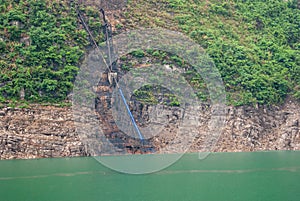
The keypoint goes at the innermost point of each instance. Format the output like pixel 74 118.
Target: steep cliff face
pixel 44 131
pixel 265 128
pixel 38 132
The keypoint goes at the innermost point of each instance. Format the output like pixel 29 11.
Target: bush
pixel 47 67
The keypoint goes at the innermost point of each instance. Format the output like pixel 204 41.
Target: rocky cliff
pixel 38 132
pixel 263 128
pixel 48 131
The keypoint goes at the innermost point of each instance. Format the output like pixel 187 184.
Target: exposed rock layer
pixel 38 132
pixel 47 131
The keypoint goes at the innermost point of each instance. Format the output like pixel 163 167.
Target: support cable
pixel 108 66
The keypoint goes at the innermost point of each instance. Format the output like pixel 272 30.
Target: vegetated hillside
pixel 255 44
pixel 41 45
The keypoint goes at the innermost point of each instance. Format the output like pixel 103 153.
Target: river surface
pixel 258 176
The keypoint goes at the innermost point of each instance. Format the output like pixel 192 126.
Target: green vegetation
pixel 155 94
pixel 158 94
pixel 254 44
pixel 41 45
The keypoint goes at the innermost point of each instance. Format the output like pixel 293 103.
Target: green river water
pixel 259 176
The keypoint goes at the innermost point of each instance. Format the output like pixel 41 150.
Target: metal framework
pixel 110 65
